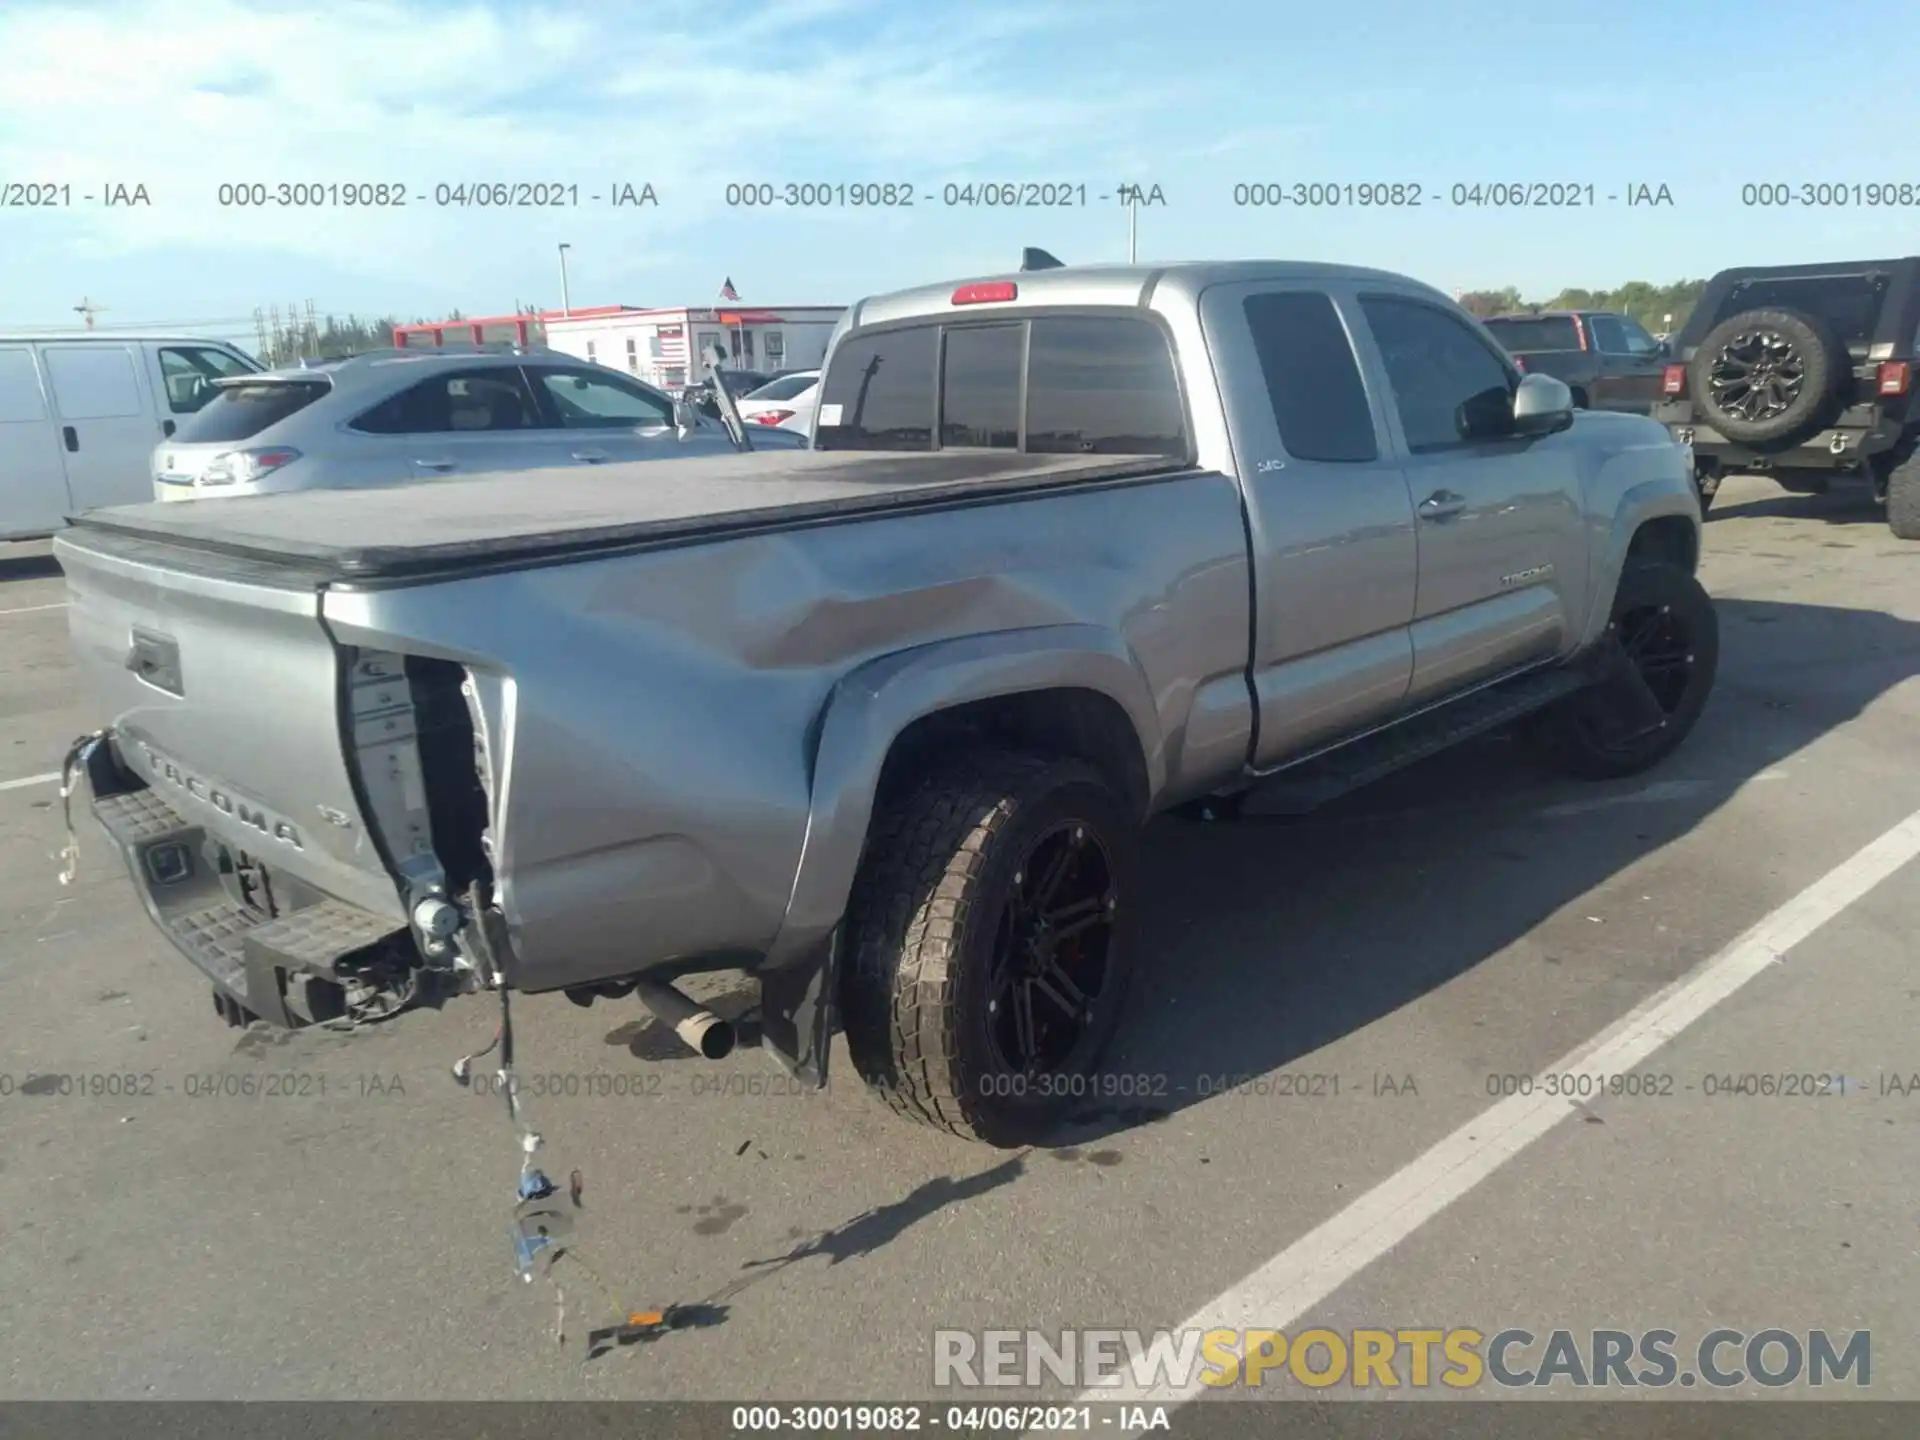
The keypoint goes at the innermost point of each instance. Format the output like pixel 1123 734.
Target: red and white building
pixel 659 346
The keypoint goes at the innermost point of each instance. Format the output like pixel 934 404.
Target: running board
pixel 1312 782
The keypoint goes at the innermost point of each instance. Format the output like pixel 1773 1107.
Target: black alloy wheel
pixel 1050 951
pixel 1756 376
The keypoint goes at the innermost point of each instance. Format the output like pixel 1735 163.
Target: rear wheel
pixel 989 943
pixel 1666 623
pixel 1903 496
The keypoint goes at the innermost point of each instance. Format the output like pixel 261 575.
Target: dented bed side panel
pixel 647 723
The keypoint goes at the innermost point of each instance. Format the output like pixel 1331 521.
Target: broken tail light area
pixel 1894 378
pixel 986 292
pixel 1673 380
pixel 243 467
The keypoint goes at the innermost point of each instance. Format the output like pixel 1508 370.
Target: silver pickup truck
pixel 878 722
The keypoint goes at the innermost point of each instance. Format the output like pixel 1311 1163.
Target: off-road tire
pixel 941 865
pixel 1824 363
pixel 1903 496
pixel 1559 736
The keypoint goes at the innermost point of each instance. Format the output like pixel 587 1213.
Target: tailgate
pixel 225 692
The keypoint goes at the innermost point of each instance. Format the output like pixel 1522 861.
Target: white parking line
pixel 1317 1264
pixel 30 780
pixel 31 609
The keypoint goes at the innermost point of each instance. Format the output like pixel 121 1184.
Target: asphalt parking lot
pixel 1469 920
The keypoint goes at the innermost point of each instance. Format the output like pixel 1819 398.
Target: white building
pixel 656 345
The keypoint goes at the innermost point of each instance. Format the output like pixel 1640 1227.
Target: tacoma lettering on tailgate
pixel 243 811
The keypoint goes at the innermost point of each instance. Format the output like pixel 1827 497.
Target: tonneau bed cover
pixel 413 531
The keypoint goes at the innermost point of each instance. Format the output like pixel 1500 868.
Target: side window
pixel 879 395
pixel 188 372
pixel 1608 334
pixel 1436 366
pixel 92 382
pixel 1313 381
pixel 459 403
pixel 980 387
pixel 1102 385
pixel 1639 342
pixel 20 397
pixel 598 402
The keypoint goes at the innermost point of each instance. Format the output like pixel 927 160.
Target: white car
pixel 773 402
pixel 804 404
pixel 391 417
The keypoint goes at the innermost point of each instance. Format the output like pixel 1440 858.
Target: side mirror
pixel 685 417
pixel 1541 405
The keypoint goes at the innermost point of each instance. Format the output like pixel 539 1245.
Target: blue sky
pixel 1195 97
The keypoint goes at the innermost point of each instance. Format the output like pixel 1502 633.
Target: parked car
pixel 79 415
pixel 773 402
pixel 1804 373
pixel 801 418
pixel 699 394
pixel 1608 360
pixel 393 417
pixel 878 721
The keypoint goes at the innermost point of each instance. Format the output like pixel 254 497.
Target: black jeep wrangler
pixel 1804 373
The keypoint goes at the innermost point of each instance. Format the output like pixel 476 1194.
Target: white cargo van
pixel 80 415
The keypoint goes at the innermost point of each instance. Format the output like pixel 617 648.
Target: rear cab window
pixel 240 412
pixel 1527 333
pixel 1072 384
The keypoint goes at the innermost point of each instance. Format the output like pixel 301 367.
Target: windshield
pixel 1535 332
pixel 785 388
pixel 240 412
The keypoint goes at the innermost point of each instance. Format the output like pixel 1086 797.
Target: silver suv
pixel 392 418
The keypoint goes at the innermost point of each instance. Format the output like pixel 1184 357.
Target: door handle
pixel 72 437
pixel 590 457
pixel 166 428
pixel 435 464
pixel 1441 505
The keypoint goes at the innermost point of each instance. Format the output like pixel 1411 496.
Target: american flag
pixel 727 292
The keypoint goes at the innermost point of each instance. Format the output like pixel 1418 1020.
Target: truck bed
pixel 435 527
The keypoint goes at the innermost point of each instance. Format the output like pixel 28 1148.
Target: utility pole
pixel 1133 226
pixel 566 301
pixel 313 329
pixel 260 332
pixel 88 309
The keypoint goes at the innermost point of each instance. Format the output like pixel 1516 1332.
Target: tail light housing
pixel 772 417
pixel 1520 363
pixel 242 467
pixel 1673 380
pixel 1895 377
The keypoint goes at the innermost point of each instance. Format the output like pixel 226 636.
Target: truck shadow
pixel 1846 504
pixel 19 562
pixel 1264 942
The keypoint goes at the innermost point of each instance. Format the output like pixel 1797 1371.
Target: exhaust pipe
pixel 703 1031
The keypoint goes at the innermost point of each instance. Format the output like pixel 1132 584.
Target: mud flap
pixel 1618 703
pixel 796 1011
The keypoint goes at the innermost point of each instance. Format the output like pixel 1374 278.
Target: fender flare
pixel 1650 500
pixel 870 707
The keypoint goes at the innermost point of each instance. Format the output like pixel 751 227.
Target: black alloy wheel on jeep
pixel 1666 623
pixel 989 943
pixel 1768 377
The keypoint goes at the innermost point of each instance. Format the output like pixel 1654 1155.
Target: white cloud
pixel 183 98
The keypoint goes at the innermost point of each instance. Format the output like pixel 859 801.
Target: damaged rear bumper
pixel 294 968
